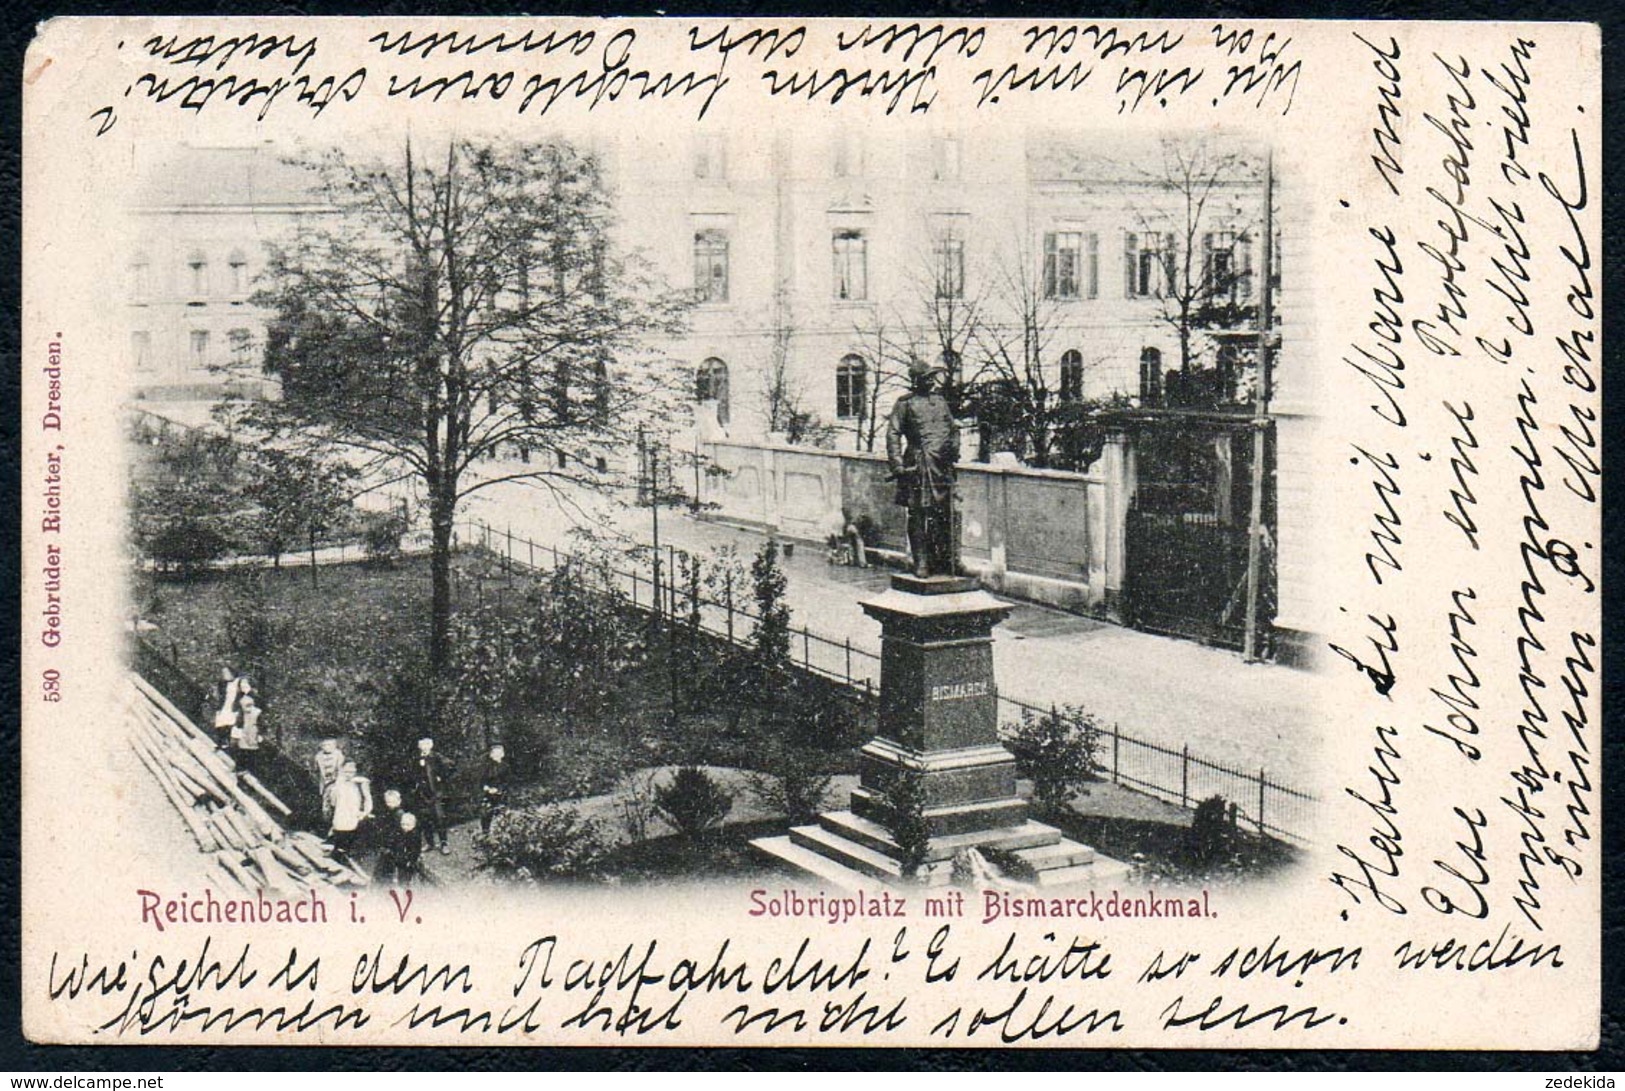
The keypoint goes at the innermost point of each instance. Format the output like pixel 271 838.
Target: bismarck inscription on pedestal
pixel 939 729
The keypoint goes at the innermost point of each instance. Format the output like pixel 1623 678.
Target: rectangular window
pixel 710 162
pixel 851 265
pixel 711 266
pixel 198 277
pixel 948 257
pixel 1148 263
pixel 848 159
pixel 141 350
pixel 1227 266
pixel 946 159
pixel 238 340
pixel 238 276
pixel 140 281
pixel 198 349
pixel 1063 260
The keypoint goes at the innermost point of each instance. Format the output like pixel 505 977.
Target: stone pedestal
pixel 939 721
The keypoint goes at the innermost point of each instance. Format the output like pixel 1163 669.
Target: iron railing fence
pixel 1174 775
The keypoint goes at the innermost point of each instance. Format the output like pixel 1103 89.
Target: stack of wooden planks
pixel 231 815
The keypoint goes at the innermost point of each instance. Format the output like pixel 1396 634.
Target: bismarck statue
pixel 922 446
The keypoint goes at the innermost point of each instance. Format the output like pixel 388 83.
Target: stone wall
pixel 1046 535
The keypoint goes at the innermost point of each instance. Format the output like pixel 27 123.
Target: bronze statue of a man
pixel 922 446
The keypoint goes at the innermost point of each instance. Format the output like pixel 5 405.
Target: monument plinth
pixel 939 726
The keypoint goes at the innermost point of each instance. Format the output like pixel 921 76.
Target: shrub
pixel 692 802
pixel 382 537
pixel 185 547
pixel 903 815
pixel 636 792
pixel 1056 751
pixel 1212 837
pixel 795 784
pixel 534 844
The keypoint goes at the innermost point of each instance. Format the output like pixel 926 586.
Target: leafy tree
pixel 298 497
pixel 453 308
pixel 770 640
pixel 796 755
pixel 903 816
pixel 183 525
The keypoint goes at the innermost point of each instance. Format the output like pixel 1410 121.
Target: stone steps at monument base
pixel 846 852
pixel 1029 835
pixel 1058 855
pixel 1101 871
pixel 781 850
pixel 978 817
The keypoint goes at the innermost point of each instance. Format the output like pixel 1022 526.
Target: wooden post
pixel 1261 403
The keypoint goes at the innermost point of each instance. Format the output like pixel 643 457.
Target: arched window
pixel 851 387
pixel 711 384
pixel 1071 376
pixel 1150 376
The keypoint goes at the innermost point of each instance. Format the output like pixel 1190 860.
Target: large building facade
pixel 820 260
pixel 1122 275
pixel 201 221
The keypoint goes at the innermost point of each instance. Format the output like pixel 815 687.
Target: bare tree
pixel 1008 384
pixel 1194 248
pixel 936 321
pixel 783 395
pixel 455 308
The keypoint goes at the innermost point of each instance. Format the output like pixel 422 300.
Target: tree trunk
pixel 440 517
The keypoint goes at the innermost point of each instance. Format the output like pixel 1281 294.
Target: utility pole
pixel 1261 418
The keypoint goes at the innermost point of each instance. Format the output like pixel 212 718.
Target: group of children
pixel 236 718
pixel 399 835
pixel 347 807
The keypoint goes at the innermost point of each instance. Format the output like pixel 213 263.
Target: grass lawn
pixel 322 654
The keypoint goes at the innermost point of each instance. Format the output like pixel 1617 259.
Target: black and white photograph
pixel 1047 534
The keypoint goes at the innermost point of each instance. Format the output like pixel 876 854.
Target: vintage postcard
pixel 1046 532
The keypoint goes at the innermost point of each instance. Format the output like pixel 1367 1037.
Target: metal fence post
pixel 1117 737
pixel 1261 799
pixel 1185 775
pixel 849 661
pixel 806 649
pixel 532 548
